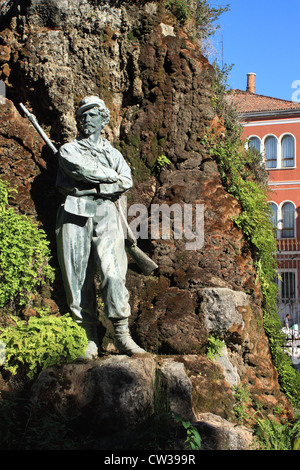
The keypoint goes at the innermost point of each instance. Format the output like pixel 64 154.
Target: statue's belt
pixel 86 207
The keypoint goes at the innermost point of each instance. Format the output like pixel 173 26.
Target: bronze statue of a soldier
pixel 93 175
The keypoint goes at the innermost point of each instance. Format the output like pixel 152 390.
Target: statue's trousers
pixel 83 243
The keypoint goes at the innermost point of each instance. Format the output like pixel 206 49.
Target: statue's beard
pixel 90 130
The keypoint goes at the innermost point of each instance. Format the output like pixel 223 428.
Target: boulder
pixel 218 434
pixel 115 392
pixel 114 398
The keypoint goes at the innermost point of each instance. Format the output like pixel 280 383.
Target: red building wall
pixel 284 186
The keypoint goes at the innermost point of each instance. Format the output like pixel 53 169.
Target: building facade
pixel 272 126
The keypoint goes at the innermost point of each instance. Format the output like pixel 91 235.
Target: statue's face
pixel 92 121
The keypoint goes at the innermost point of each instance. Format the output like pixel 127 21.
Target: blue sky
pixel 262 36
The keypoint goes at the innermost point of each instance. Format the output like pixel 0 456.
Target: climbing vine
pixel 238 171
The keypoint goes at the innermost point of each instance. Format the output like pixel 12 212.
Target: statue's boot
pixel 91 351
pixel 123 340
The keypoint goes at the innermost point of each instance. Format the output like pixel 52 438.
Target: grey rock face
pixel 230 371
pixel 221 309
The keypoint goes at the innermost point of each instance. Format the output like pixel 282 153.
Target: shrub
pixel 205 15
pixel 24 255
pixel 41 342
pixel 180 8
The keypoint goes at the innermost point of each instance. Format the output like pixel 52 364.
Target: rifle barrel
pixel 34 122
pixel 145 263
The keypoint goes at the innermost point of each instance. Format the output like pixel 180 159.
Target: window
pixel 288 220
pixel 288 286
pixel 271 152
pixel 274 214
pixel 254 142
pixel 288 151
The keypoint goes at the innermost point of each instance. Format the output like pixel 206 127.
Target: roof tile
pixel 247 102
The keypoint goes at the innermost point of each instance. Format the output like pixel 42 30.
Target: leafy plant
pixel 214 347
pixel 242 400
pixel 273 435
pixel 41 342
pixel 193 438
pixel 161 162
pixel 164 429
pixel 180 8
pixel 205 15
pixel 5 193
pixel 24 255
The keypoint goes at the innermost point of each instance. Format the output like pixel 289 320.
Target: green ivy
pixel 255 217
pixel 240 177
pixel 24 255
pixel 41 342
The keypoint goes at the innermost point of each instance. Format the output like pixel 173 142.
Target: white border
pixel 272 123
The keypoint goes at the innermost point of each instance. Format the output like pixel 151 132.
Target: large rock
pixel 219 434
pixel 116 392
pixel 222 310
pixel 113 399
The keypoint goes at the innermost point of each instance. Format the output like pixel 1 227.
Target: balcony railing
pixel 288 245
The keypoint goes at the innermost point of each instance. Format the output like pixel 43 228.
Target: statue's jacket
pixel 88 173
pixel 88 227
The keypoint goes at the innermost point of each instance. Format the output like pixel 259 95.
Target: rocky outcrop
pixel 158 86
pixel 21 160
pixel 218 434
pixel 110 394
pixel 115 397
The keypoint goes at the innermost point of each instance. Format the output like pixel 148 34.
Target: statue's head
pixel 92 114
